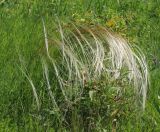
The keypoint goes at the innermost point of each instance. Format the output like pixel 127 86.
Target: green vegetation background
pixel 21 32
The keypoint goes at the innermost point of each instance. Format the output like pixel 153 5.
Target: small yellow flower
pixel 110 23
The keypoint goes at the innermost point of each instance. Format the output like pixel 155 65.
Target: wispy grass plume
pixel 88 53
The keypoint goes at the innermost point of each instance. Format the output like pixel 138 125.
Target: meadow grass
pixel 22 47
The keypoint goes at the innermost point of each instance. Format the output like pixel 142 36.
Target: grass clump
pixel 90 73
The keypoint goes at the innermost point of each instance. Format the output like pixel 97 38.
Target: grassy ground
pixel 22 38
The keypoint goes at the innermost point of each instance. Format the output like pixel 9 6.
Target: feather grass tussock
pixel 90 53
pixel 89 70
